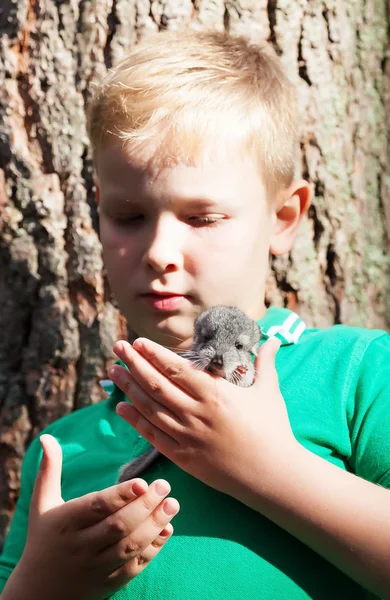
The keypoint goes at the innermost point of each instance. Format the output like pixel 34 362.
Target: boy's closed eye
pixel 194 221
pixel 128 219
pixel 202 221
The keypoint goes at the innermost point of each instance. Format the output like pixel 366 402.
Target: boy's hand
pixel 222 434
pixel 89 547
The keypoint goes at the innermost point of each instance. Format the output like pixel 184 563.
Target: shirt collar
pixel 283 324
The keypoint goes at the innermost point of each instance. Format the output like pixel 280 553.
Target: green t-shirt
pixel 336 385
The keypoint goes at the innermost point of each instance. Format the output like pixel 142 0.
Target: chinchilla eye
pixel 239 346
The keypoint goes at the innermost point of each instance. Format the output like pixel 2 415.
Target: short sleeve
pixel 370 415
pixel 16 538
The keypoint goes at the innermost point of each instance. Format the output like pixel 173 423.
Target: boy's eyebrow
pixel 199 200
pixel 195 201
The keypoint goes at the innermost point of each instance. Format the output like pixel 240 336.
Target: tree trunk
pixel 58 321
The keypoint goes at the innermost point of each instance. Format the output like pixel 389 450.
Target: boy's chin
pixel 174 332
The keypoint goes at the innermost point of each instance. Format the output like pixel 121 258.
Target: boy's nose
pixel 165 249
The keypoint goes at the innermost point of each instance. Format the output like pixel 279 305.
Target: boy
pixel 194 142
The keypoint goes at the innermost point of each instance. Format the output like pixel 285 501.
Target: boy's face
pixel 199 235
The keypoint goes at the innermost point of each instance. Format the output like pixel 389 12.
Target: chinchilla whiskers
pixel 174 337
pixel 195 358
pixel 174 349
pixel 234 378
pixel 188 354
pixel 200 364
pixel 230 379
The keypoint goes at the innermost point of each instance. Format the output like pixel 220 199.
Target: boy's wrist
pixel 17 587
pixel 22 585
pixel 264 490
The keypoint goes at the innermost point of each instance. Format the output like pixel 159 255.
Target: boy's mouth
pixel 166 301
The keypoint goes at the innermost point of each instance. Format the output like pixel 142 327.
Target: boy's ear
pixel 288 213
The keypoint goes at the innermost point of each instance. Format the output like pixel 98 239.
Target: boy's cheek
pixel 110 235
pixel 117 247
pixel 107 234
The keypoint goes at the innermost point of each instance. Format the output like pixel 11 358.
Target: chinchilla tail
pixel 135 467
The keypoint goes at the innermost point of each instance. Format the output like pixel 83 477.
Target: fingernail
pixel 137 488
pixel 170 507
pixel 43 463
pixel 138 344
pixel 121 408
pixel 162 487
pixel 118 375
pixel 164 533
pixel 111 372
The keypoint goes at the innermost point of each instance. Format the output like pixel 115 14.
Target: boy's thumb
pixel 265 360
pixel 47 488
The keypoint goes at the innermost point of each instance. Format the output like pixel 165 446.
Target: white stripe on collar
pixel 289 331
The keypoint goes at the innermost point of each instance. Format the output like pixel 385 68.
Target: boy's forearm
pixel 14 591
pixel 340 516
pixel 20 587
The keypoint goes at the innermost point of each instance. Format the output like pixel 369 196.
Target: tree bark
pixel 58 321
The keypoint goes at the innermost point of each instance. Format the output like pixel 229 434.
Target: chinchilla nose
pixel 217 360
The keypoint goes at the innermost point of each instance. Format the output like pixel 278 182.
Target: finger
pixel 119 525
pixel 265 360
pixel 161 538
pixel 134 567
pixel 47 488
pixel 136 543
pixel 97 506
pixel 162 441
pixel 153 411
pixel 178 371
pixel 152 381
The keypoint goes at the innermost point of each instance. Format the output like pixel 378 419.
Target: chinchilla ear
pixel 199 322
pixel 197 331
pixel 200 318
pixel 259 333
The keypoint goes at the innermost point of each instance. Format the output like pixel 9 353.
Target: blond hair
pixel 184 88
